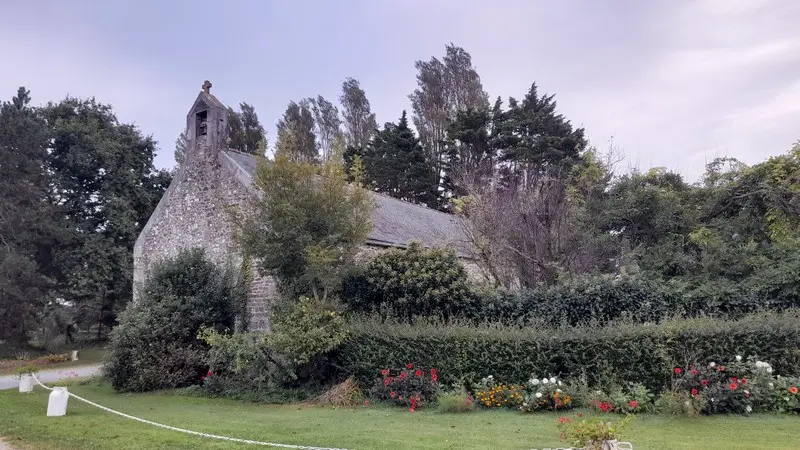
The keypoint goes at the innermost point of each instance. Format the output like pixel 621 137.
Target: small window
pixel 201 124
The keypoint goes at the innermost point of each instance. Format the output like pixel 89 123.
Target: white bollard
pixel 57 404
pixel 26 383
pixel 74 355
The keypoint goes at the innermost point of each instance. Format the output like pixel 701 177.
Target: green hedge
pixel 639 353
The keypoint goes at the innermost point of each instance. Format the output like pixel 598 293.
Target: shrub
pixel 409 282
pixel 456 401
pixel 490 394
pixel 644 353
pixel 295 356
pixel 590 432
pixel 631 399
pixel 408 386
pixel 547 395
pixel 155 345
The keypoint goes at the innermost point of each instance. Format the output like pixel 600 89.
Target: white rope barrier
pixel 182 430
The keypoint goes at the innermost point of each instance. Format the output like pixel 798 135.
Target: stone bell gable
pixel 195 211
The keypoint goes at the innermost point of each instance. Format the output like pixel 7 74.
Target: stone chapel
pixel 193 210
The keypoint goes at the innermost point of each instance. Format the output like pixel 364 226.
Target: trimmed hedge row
pixel 639 353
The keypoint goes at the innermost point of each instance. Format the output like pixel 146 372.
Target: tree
pixel 359 120
pixel 245 132
pixel 308 224
pixel 536 139
pixel 180 148
pixel 297 125
pixel 29 225
pixel 396 164
pixel 327 124
pixel 104 181
pixel 444 88
pixel 468 149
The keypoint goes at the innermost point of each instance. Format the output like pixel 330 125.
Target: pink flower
pixel 409 366
pixel 385 372
pixel 678 371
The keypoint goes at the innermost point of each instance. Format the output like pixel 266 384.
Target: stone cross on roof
pixel 207 87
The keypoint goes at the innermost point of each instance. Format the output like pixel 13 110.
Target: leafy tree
pixel 180 149
pixel 104 181
pixel 29 224
pixel 296 132
pixel 308 225
pixel 156 345
pixel 245 132
pixel 444 88
pixel 358 119
pixel 327 124
pixel 396 165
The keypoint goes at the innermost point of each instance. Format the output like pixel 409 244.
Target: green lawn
pixel 23 424
pixel 87 356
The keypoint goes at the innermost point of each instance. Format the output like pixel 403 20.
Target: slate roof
pixel 396 223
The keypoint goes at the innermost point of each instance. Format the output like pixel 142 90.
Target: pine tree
pixel 296 132
pixel 395 164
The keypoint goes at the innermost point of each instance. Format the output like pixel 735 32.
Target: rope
pixel 182 430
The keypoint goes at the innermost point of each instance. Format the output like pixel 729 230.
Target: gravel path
pixel 52 375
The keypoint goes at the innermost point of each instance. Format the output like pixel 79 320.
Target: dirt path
pixel 52 375
pixel 4 446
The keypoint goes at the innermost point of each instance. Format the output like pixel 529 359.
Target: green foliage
pixel 456 401
pixel 245 132
pixel 409 282
pixel 644 354
pixel 156 345
pixel 29 226
pixel 263 367
pixel 590 432
pixel 307 226
pixel 395 164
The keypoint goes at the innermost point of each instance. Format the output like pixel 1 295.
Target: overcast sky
pixel 676 82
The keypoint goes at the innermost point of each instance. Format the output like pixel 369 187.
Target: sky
pixel 676 83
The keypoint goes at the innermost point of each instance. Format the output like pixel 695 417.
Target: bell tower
pixel 207 123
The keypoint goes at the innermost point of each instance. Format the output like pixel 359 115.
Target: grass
pixel 87 356
pixel 23 425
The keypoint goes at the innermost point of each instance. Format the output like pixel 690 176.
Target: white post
pixel 74 355
pixel 57 403
pixel 26 383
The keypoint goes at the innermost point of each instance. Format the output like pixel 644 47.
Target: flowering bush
pixel 547 394
pixel 490 394
pixel 412 387
pixel 635 398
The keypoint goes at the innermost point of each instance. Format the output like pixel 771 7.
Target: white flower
pixel 553 380
pixel 538 395
pixel 749 409
pixel 769 369
pixel 712 364
pixel 535 381
pixel 558 390
pixel 738 358
pixel 747 392
pixel 771 385
pixel 544 381
pixel 559 382
pixel 687 403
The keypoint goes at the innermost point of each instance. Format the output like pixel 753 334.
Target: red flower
pixel 678 371
pixel 694 391
pixel 385 372
pixel 693 372
pixel 733 380
pixel 386 381
pixel 412 409
pixel 633 404
pixel 202 378
pixel 400 398
pixel 793 390
pixel 563 420
pixel 733 386
pixel 746 395
pixel 743 381
pixel 409 366
pixel 366 402
pixel 418 373
pixel 392 394
pixel 704 382
pixel 580 414
pixel 434 375
pixel 210 373
pixel 721 368
pixel 403 375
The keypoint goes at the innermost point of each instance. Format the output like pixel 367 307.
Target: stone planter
pixel 26 383
pixel 606 445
